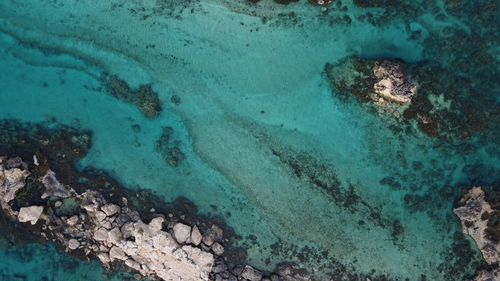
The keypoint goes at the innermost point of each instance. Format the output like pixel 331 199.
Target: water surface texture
pixel 266 144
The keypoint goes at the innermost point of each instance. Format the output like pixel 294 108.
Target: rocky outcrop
pixel 381 84
pixel 474 212
pixel 378 81
pixel 12 176
pixel 392 82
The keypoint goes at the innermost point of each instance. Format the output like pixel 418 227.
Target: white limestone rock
pixel 11 181
pixel 196 236
pixel 100 216
pixel 182 232
pixel 30 214
pixel 73 244
pixel 110 209
pixel 157 223
pixel 104 258
pixel 115 235
pixel 53 187
pixel 472 224
pixel 101 234
pixel 473 206
pixel 117 253
pixel 72 220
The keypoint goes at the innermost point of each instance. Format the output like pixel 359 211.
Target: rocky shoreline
pixel 478 218
pixel 90 216
pixel 88 225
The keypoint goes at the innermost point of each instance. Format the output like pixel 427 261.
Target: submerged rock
pixel 436 99
pixel 143 97
pixel 169 148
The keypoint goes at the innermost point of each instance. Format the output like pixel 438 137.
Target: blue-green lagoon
pixel 257 134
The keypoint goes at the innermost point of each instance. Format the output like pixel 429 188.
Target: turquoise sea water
pixel 254 103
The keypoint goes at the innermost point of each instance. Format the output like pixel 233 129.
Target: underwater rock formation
pixel 475 214
pixel 441 108
pixel 169 148
pixel 144 98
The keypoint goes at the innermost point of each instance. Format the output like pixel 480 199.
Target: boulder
pixel 217 248
pixel 117 253
pixel 101 234
pixel 115 235
pixel 72 220
pixel 251 274
pixel 110 209
pixel 182 232
pixel 11 181
pixel 157 223
pixel 104 258
pixel 30 214
pixel 53 187
pixel 73 244
pixel 196 236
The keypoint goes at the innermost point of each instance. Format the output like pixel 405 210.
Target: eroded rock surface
pixel 474 213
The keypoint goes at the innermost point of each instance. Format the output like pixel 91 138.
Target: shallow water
pixel 254 104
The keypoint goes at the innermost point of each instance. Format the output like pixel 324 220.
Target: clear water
pixel 247 88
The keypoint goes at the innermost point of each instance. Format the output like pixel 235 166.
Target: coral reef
pixel 479 220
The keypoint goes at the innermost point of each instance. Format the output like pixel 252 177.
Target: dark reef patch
pixel 322 175
pixel 443 106
pixel 169 148
pixel 144 98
